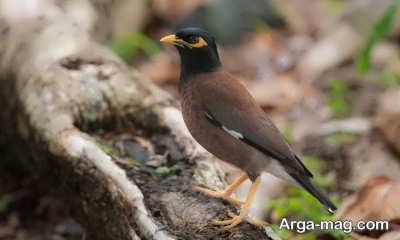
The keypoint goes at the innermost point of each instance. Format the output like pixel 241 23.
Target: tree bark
pixel 57 88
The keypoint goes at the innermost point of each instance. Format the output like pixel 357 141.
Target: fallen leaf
pixel 163 67
pixel 388 116
pixel 378 199
pixel 370 158
pixel 279 92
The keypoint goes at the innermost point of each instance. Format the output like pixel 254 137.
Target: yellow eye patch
pixel 199 44
pixel 174 40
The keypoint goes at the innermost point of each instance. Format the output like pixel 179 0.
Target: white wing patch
pixel 233 133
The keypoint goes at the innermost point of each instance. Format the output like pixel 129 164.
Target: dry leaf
pixel 162 68
pixel 378 199
pixel 370 158
pixel 388 118
pixel 278 92
pixel 367 203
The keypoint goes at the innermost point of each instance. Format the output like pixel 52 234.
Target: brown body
pixel 202 92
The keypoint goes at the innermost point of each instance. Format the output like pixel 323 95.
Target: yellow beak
pixel 169 39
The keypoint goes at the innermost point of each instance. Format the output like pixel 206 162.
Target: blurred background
pixel 327 73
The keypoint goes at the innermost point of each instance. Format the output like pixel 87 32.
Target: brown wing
pixel 241 114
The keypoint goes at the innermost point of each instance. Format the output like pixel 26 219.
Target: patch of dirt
pixel 25 214
pixel 170 198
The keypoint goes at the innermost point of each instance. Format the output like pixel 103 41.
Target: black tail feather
pixel 317 193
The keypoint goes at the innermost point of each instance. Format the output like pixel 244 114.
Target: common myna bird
pixel 225 119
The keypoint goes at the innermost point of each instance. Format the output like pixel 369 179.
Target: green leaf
pixel 165 171
pixel 107 149
pixel 288 133
pixel 337 102
pixel 134 162
pixel 379 29
pixel 300 205
pixel 315 166
pixel 338 139
pixel 3 205
pixel 128 46
pixel 283 233
pixel 335 7
pixel 389 80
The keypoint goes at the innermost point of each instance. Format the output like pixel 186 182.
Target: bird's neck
pixel 190 67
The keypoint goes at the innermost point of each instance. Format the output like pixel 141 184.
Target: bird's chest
pixel 194 115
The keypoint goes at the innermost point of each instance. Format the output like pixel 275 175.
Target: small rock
pixel 136 151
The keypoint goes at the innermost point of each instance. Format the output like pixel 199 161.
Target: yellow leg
pixel 244 210
pixel 226 194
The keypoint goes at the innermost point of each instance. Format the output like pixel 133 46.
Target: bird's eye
pixel 192 39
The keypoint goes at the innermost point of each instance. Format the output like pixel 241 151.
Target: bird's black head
pixel 197 49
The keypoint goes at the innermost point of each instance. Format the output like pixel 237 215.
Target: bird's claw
pixel 222 195
pixel 230 223
pixel 236 219
pixel 244 209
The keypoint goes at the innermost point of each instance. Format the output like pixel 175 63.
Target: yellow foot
pixel 236 219
pixel 226 194
pixel 244 211
pixel 223 195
